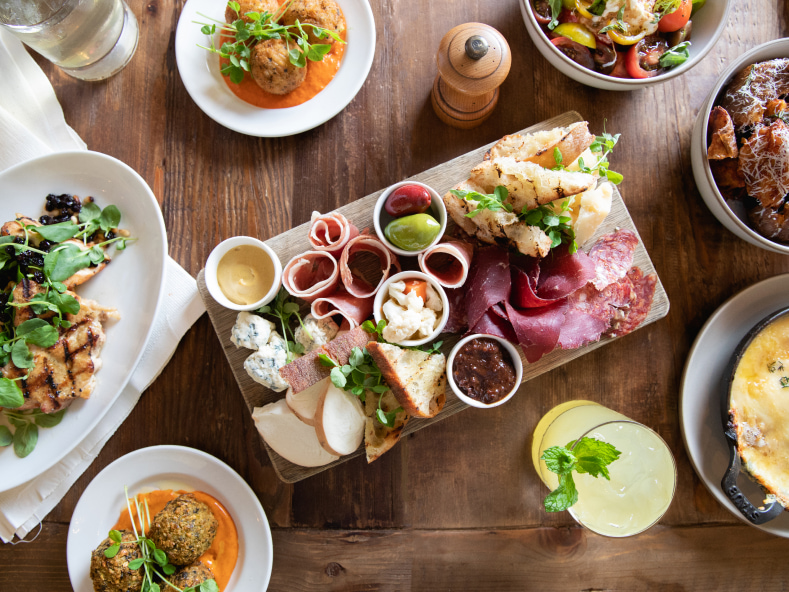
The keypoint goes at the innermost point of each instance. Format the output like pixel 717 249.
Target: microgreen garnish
pixel 587 455
pixel 785 382
pixel 262 26
pixel 556 9
pixel 619 23
pixel 557 225
pixel 284 308
pixel 493 202
pixel 603 144
pixel 360 374
pixel 775 366
pixel 26 424
pixel 558 158
pixel 664 7
pixel 676 55
pixel 153 561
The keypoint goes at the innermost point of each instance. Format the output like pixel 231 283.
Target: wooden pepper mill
pixel 473 60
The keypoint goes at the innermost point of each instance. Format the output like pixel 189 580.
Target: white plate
pixel 199 71
pixel 170 467
pixel 704 379
pixel 133 283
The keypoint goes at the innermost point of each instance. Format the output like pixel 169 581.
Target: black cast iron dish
pixel 729 482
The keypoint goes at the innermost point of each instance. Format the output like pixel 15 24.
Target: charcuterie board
pixel 441 178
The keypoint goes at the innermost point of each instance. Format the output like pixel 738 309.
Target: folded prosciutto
pixel 447 262
pixel 311 275
pixel 331 232
pixel 354 279
pixel 352 308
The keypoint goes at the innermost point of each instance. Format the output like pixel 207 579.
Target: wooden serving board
pixel 441 178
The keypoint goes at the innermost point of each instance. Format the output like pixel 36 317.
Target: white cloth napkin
pixel 32 124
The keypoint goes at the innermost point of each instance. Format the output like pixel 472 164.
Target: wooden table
pixel 456 506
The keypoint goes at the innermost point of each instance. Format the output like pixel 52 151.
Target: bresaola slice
pixel 447 262
pixel 493 323
pixel 562 273
pixel 331 232
pixel 613 257
pixel 365 243
pixel 489 284
pixel 311 275
pixel 538 329
pixel 352 308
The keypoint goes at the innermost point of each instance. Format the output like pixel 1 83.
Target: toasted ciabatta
pixel 539 146
pixel 417 379
pixel 379 438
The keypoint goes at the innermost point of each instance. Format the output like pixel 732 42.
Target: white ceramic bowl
pixel 413 275
pixel 216 256
pixel 516 363
pixel 381 218
pixel 732 215
pixel 708 25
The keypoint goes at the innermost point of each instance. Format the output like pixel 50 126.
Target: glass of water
pixel 87 39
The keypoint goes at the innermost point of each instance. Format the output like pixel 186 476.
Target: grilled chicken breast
pixel 66 370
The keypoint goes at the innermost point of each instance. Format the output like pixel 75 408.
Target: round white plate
pixel 199 71
pixel 133 283
pixel 704 380
pixel 170 467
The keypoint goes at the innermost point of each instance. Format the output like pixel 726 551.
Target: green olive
pixel 412 233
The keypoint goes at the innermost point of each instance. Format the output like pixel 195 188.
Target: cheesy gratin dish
pixel 759 409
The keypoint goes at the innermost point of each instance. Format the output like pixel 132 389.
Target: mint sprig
pixel 587 455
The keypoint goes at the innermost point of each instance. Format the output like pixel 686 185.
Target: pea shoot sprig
pixel 602 145
pixel 557 225
pixel 154 561
pixel 495 202
pixel 243 34
pixel 283 308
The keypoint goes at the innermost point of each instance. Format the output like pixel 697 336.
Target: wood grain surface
pixel 455 507
pixel 442 178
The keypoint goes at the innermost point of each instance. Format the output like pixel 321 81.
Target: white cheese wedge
pixel 339 421
pixel 304 403
pixel 592 207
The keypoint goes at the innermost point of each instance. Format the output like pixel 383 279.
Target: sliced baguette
pixel 304 403
pixel 290 437
pixel 416 378
pixel 339 421
pixel 379 438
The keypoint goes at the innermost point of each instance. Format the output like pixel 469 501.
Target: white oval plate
pixel 704 379
pixel 170 467
pixel 133 283
pixel 199 71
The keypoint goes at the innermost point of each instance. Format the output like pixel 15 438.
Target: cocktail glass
pixel 643 479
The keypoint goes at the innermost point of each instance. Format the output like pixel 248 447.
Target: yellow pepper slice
pixel 581 8
pixel 578 33
pixel 624 38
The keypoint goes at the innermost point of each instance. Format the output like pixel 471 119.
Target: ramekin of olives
pixel 410 217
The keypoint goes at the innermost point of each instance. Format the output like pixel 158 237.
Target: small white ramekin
pixel 383 292
pixel 213 262
pixel 732 215
pixel 516 363
pixel 381 218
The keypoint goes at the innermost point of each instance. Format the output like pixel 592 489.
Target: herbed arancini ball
pixel 113 574
pixel 184 529
pixel 193 574
pixel 246 6
pixel 322 13
pixel 271 67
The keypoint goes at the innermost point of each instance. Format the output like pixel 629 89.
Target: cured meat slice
pixel 352 308
pixel 592 311
pixel 311 275
pixel 613 256
pixel 491 323
pixel 489 284
pixel 640 303
pixel 447 262
pixel 562 273
pixel 525 275
pixel 355 283
pixel 457 321
pixel 580 328
pixel 538 329
pixel 331 232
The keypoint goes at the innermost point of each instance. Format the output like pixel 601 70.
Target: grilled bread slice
pixel 379 438
pixel 417 379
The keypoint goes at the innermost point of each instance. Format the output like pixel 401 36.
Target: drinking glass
pixel 87 39
pixel 643 478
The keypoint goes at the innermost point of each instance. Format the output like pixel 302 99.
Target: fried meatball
pixel 322 13
pixel 113 574
pixel 246 6
pixel 271 67
pixel 193 574
pixel 184 529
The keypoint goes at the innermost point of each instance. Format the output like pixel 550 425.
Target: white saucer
pixel 199 71
pixel 704 379
pixel 170 467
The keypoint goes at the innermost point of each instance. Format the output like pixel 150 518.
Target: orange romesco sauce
pixel 221 555
pixel 319 75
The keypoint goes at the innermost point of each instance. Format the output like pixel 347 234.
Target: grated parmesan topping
pixel 753 87
pixel 764 162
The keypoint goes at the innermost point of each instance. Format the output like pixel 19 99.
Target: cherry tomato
pixel 624 38
pixel 578 33
pixel 620 70
pixel 676 20
pixel 568 16
pixel 581 7
pixel 643 59
pixel 680 35
pixel 542 12
pixel 407 200
pixel 604 55
pixel 575 51
pixel 569 4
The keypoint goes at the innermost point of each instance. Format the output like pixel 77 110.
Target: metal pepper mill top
pixel 473 60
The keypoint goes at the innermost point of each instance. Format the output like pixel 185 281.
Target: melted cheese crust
pixel 760 409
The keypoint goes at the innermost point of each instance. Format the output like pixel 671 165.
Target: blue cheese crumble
pixel 319 332
pixel 251 331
